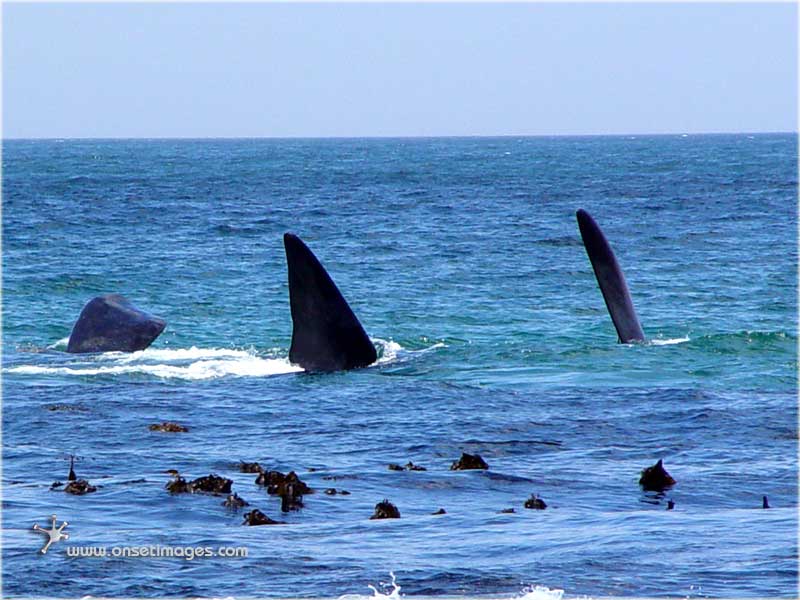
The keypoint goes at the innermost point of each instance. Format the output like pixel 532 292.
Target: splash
pixel 537 592
pixel 193 353
pixel 186 363
pixel 192 363
pixel 390 351
pixel 394 594
pixel 668 342
pixel 540 592
pixel 60 344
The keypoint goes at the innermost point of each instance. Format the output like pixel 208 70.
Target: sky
pixel 401 69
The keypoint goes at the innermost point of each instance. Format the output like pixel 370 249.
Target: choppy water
pixel 463 261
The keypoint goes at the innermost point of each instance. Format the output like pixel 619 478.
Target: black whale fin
pixel 326 335
pixel 610 279
pixel 111 323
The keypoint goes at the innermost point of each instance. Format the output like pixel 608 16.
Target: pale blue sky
pixel 275 70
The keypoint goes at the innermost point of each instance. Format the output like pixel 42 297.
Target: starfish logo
pixel 54 533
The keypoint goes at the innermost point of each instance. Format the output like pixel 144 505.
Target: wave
pixel 192 353
pixel 390 351
pixel 750 336
pixel 668 342
pixel 394 594
pixel 60 344
pixel 387 350
pixel 199 370
pixel 536 592
pixel 80 179
pixel 747 341
pixel 730 341
pixel 540 592
pixel 191 363
pixel 185 363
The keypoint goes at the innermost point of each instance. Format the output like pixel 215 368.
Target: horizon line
pixel 387 137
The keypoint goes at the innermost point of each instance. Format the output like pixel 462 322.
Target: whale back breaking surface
pixel 111 323
pixel 610 279
pixel 326 335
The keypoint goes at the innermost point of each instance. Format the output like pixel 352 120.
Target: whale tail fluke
pixel 610 279
pixel 326 335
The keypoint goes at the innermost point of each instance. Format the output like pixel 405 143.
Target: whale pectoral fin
pixel 111 323
pixel 326 335
pixel 610 279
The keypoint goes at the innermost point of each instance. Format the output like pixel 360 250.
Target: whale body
pixel 111 323
pixel 610 279
pixel 326 335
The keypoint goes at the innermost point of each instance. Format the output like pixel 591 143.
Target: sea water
pixel 462 259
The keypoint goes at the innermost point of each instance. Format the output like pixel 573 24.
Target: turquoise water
pixel 462 258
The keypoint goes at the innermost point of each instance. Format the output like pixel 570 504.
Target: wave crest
pixel 183 363
pixel 534 592
pixel 667 342
pixel 390 351
pixel 189 363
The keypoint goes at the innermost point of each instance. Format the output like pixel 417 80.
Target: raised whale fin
pixel 111 323
pixel 610 279
pixel 326 335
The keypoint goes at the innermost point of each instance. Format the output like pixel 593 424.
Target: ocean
pixel 462 259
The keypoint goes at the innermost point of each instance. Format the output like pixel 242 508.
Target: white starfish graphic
pixel 54 533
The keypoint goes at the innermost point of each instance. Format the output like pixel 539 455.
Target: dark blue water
pixel 463 261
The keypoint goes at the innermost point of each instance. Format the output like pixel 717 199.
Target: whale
pixel 610 279
pixel 110 323
pixel 326 334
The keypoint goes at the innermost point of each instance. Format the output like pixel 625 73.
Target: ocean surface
pixel 462 259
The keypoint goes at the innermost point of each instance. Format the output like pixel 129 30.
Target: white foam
pixel 205 369
pixel 62 343
pixel 434 347
pixel 391 350
pixel 393 595
pixel 178 354
pixel 192 363
pixel 538 592
pixel 668 342
pixel 541 592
